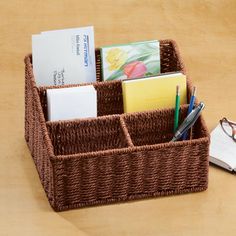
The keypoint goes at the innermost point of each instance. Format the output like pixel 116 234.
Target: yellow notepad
pixel 153 92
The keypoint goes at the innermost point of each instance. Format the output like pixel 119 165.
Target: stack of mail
pixel 64 57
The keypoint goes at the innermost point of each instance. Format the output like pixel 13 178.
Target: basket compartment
pixel 87 135
pixel 109 94
pixel 162 166
pixel 109 97
pixel 153 127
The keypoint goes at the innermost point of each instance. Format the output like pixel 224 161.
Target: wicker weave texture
pixel 114 157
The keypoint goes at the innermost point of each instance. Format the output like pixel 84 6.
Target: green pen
pixel 177 106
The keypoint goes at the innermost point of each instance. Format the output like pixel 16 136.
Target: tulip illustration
pixel 116 58
pixel 135 69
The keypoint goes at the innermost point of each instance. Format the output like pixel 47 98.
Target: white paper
pixel 222 149
pixel 64 57
pixel 72 103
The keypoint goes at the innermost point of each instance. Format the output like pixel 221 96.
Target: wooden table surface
pixel 206 34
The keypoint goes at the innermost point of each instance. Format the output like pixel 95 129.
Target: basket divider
pixel 126 132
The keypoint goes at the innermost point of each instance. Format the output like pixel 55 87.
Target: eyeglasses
pixel 229 128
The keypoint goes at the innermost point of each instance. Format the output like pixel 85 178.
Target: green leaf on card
pixel 153 67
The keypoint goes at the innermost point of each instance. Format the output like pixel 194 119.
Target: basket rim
pixel 149 147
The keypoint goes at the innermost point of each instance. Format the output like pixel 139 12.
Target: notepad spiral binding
pixel 114 157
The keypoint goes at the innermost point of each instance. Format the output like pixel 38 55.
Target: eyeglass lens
pixel 229 128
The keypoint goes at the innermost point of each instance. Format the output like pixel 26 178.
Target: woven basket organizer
pixel 114 157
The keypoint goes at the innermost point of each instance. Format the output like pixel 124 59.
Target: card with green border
pixel 129 61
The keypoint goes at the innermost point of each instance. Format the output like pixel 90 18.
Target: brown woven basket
pixel 114 157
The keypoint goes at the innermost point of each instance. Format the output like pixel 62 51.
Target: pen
pixel 188 122
pixel 190 108
pixel 177 104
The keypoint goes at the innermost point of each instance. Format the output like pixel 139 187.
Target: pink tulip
pixel 135 69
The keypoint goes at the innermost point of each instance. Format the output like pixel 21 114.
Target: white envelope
pixel 64 57
pixel 72 103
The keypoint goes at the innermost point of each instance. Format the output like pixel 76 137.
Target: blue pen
pixel 190 108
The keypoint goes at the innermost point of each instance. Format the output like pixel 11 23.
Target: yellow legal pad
pixel 153 92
